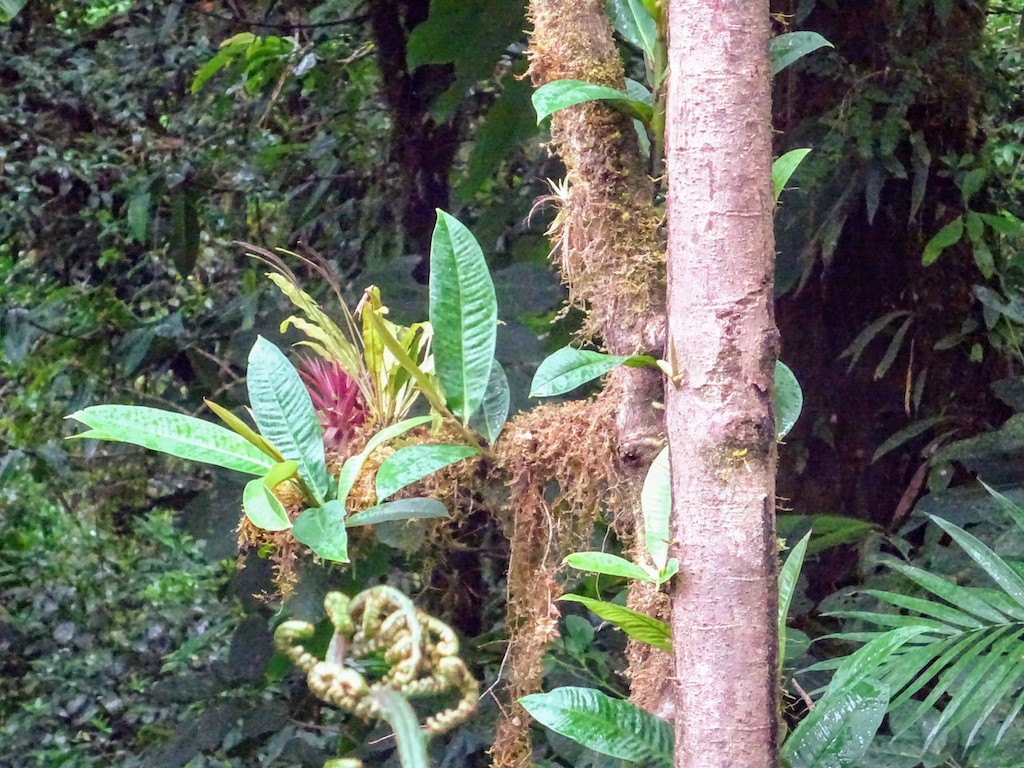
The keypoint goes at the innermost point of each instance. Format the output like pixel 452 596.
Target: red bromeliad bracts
pixel 336 399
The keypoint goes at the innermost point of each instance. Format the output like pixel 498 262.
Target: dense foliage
pixel 139 139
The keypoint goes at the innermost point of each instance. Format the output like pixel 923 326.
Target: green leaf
pixel 1005 504
pixel 138 215
pixel 280 472
pixel 9 9
pixel 948 236
pixel 420 508
pixel 322 529
pixel 828 530
pixel 783 167
pixel 184 243
pixel 789 574
pixel 493 412
pixel 635 24
pixel 1000 572
pixel 963 598
pixel 263 508
pixel 637 625
pixel 609 565
pixel 285 415
pixel 559 94
pixel 395 708
pixel 606 725
pixel 671 569
pixel 354 465
pixel 656 503
pixel 569 368
pixel 789 400
pixel 463 313
pixel 792 46
pixel 971 183
pixel 174 433
pixel 1005 223
pixel 239 427
pixel 893 349
pixel 839 730
pixel 905 435
pixel 865 337
pixel 414 462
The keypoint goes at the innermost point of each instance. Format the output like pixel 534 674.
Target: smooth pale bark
pixel 720 415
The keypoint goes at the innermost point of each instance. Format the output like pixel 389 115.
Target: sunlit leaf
pixel 656 504
pixel 609 565
pixel 174 433
pixel 568 368
pixel 354 464
pixel 559 94
pixel 783 168
pixel 637 625
pixel 262 508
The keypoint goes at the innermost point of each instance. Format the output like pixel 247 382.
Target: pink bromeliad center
pixel 336 399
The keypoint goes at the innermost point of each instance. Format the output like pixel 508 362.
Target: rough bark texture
pixel 720 417
pixel 422 149
pixel 612 259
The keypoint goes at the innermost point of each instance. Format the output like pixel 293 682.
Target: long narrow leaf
pixel 174 433
pixel 420 508
pixel 239 427
pixel 1002 574
pixel 1012 676
pixel 789 574
pixel 977 690
pixel 839 729
pixel 927 607
pixel 637 625
pixel 656 504
pixel 922 676
pixel 493 411
pixel 285 415
pixel 463 314
pixel 963 598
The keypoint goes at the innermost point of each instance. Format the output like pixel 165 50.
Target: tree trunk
pixel 720 414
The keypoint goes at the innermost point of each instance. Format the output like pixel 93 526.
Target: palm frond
pixel 967 653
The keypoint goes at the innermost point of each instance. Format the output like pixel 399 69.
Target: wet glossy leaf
pixel 790 47
pixel 606 725
pixel 420 508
